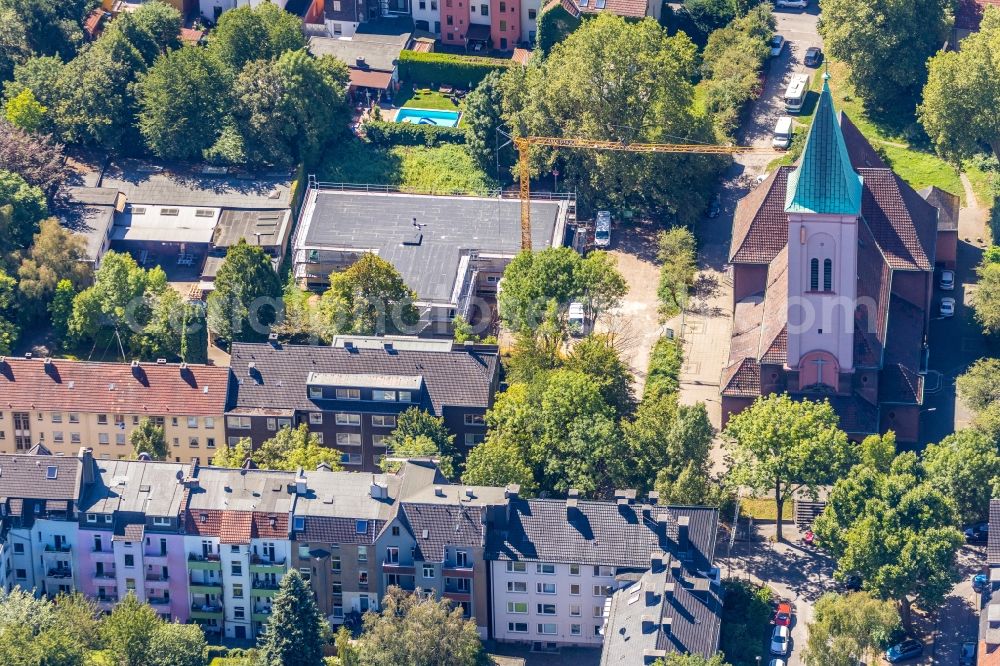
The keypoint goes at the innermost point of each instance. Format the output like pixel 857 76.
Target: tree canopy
pixel 247 295
pixel 895 530
pixel 962 94
pixel 783 445
pixel 28 208
pixel 965 466
pixel 289 449
pixel 849 628
pixel 262 32
pixel 886 44
pixel 678 266
pixel 368 298
pixel 296 631
pixel 579 90
pixel 148 438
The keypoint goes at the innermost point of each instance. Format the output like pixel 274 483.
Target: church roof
pixel 824 182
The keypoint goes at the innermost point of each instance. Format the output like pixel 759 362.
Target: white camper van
pixel 782 133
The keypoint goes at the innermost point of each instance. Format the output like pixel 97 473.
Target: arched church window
pixel 827 275
pixel 814 275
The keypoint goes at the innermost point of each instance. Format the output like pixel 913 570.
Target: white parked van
pixel 782 133
pixel 795 95
pixel 602 229
pixel 576 320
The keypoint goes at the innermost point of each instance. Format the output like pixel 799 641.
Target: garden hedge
pixel 386 134
pixel 457 70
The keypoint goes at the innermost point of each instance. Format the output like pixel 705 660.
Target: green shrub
pixel 664 376
pixel 553 26
pixel 447 68
pixel 745 617
pixel 387 134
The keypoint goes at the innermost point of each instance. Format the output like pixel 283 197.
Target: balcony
pixel 105 575
pixel 102 555
pixel 59 573
pixel 158 601
pixel 52 548
pixel 458 572
pixel 262 614
pixel 107 600
pixel 263 589
pixel 457 596
pixel 396 568
pixel 157 558
pixel 205 587
pixel 265 566
pixel 157 576
pixel 206 612
pixel 204 563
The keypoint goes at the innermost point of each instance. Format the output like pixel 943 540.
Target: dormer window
pixel 384 396
pixel 298 523
pixel 316 392
pixel 51 472
pixel 348 394
pixel 361 526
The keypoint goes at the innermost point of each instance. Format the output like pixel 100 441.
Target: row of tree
pixel 254 96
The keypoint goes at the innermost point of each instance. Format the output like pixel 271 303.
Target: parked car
pixel 776 662
pixel 576 320
pixel 968 656
pixel 602 229
pixel 792 4
pixel 911 648
pixel 947 280
pixel 783 616
pixel 980 581
pixel 813 57
pixel 978 533
pixel 948 307
pixel 777 44
pixel 783 132
pixel 780 640
pixel 715 206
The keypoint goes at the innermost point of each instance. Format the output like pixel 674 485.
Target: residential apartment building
pixel 335 526
pixel 237 544
pixel 130 536
pixel 352 393
pixel 554 564
pixel 64 404
pixel 40 504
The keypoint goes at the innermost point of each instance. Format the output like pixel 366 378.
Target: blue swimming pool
pixel 428 117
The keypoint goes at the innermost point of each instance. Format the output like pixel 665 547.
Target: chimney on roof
pixel 624 497
pixel 387 346
pixel 272 339
pixel 349 346
pixel 379 489
pixel 251 366
pixel 653 497
pixel 28 356
pixel 438 491
pixel 133 364
pixel 511 491
pixel 656 561
pixel 667 624
pixel 468 343
pixel 683 539
pixel 469 493
pixel 48 360
pixel 86 456
pixel 161 361
pixel 649 622
pixel 668 590
pixel 572 499
pixel 300 483
pixel 323 467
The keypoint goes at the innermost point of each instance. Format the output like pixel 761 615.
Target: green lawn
pixel 443 168
pixel 916 164
pixel 764 509
pixel 424 98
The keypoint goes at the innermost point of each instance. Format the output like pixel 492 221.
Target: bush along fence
pixel 385 134
pixel 447 68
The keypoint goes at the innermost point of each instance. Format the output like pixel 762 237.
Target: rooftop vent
pixel 653 497
pixel 414 239
pixel 28 356
pixel 161 361
pixel 134 364
pixel 511 491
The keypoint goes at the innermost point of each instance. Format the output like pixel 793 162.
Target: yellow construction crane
pixel 524 143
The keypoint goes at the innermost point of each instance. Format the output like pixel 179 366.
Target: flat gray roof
pixel 258 227
pixel 453 226
pixel 381 55
pixel 148 183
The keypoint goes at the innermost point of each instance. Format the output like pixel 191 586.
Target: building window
pixel 485 9
pixel 349 419
pixel 575 610
pixel 545 588
pixel 546 609
pixel 74 438
pixel 407 396
pixel 545 568
pixel 192 422
pixel 385 396
pixel 462 559
pixel 428 571
pixel 349 438
pixel 814 275
pixel 361 527
pixel 362 553
pixel 284 423
pixel 209 422
pixel 575 630
pixel 383 421
pixel 57 436
pixel 574 589
pixel 237 569
pixel 395 530
pixel 316 418
pixel 348 394
pixel 574 570
pixel 547 628
pixel 209 444
pixel 473 439
pixel 239 612
pixel 475 419
pixel 827 275
pixel 517 586
pixel 305 573
pixel 520 607
pixel 350 458
pixel 318 436
pixel 102 419
pixel 503 25
pixel 91 517
pixel 20 574
pixel 120 438
pixel 600 591
pixel 238 422
pixel 392 555
pixel 102 438
pixel 338 29
pixel 74 418
pixel 379 440
pixel 57 417
pixel 193 442
pixel 532 14
pixel 335 563
pixel 298 523
pixel 598 611
pixel 516 567
pixel 604 571
pixel 517 627
pixel 161 521
pixel 316 392
pixel 18 548
pixel 237 591
pixel 129 560
pixel 362 578
pixel 423 5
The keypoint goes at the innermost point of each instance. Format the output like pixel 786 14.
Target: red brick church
pixel 833 267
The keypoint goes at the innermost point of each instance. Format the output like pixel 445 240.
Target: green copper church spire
pixel 824 181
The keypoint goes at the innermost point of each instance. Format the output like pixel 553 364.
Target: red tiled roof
pixel 191 36
pixel 235 527
pixel 760 225
pixel 775 318
pixel 902 223
pixel 874 283
pixel 742 380
pixel 521 56
pixel 114 388
pixel 628 8
pixel 202 522
pixel 262 529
